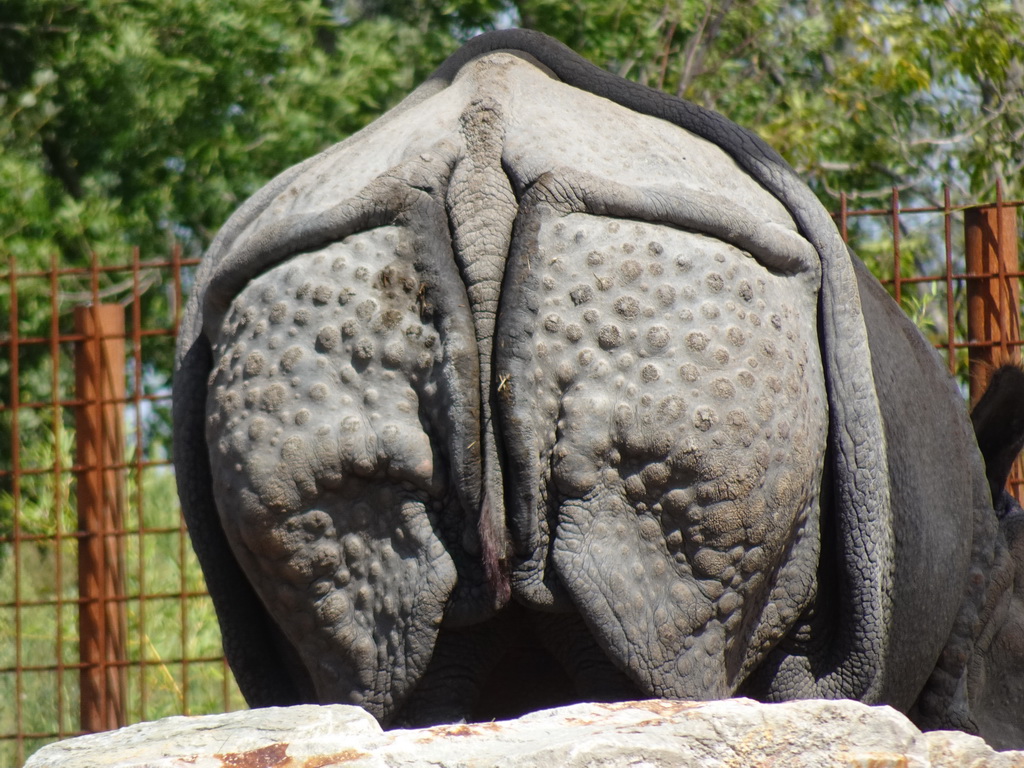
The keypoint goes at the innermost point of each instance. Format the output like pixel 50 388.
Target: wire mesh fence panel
pixel 933 258
pixel 107 622
pixel 955 271
pixel 104 615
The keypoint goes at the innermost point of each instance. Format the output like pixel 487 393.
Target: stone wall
pixel 643 734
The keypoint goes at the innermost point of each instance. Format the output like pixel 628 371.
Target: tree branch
pixel 700 41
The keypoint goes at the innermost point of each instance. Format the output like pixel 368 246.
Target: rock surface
pixel 644 734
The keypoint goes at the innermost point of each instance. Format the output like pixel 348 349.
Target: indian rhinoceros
pixel 548 387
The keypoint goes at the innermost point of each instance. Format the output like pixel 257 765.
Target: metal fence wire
pixel 104 615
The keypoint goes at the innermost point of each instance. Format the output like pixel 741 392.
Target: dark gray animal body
pixel 544 363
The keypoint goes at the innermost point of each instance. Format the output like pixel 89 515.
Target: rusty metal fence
pixel 955 270
pixel 104 618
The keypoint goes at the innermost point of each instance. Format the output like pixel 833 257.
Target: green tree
pixel 131 123
pixel 859 95
pixel 134 123
pixel 137 124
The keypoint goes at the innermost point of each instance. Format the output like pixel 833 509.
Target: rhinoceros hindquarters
pixel 664 418
pixel 333 373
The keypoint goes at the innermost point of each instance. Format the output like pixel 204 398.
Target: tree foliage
pixel 859 95
pixel 131 123
pixel 135 123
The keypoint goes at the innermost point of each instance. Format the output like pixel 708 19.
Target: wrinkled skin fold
pixel 546 371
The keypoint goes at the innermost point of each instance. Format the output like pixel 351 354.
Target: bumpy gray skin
pixel 546 360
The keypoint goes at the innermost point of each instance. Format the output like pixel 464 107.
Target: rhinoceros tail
pixel 494 550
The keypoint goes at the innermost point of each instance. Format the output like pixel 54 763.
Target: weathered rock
pixel 645 733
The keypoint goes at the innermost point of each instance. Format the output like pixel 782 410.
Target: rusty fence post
pixel 100 389
pixel 993 299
